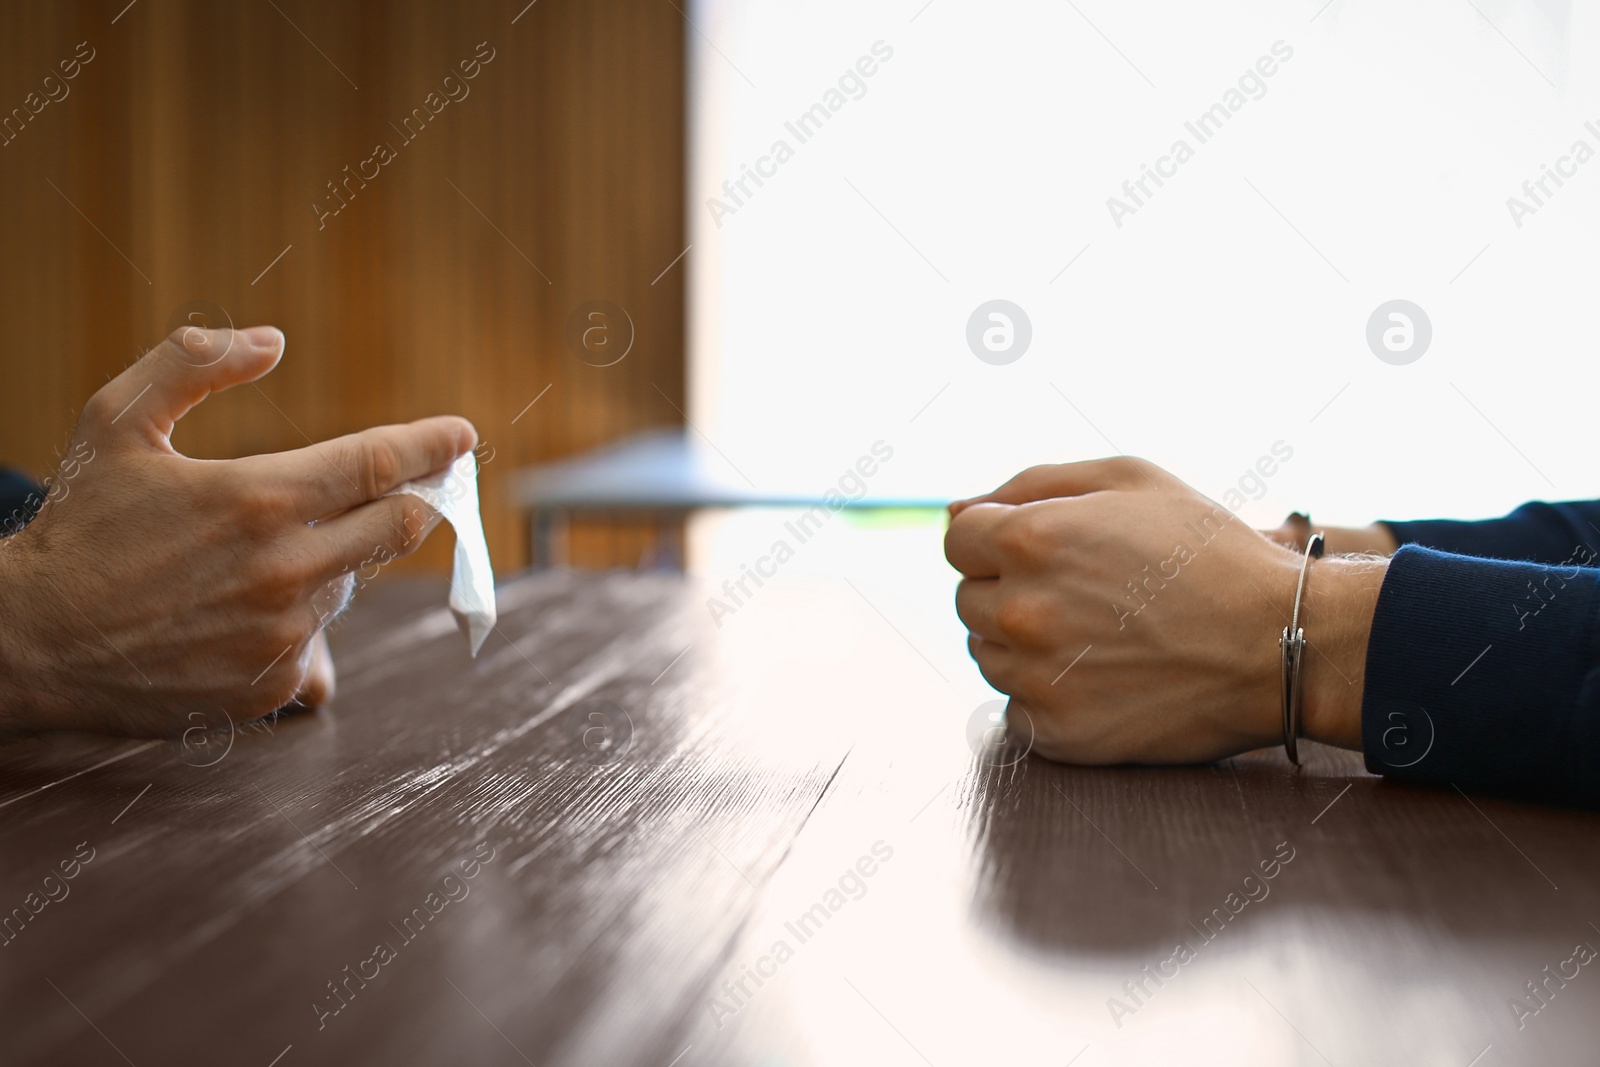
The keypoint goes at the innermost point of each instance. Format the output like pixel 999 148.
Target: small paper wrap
pixel 453 493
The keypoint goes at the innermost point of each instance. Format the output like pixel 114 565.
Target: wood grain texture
pixel 190 151
pixel 633 888
pixel 216 909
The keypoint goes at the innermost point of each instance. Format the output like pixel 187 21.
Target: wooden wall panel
pixel 196 142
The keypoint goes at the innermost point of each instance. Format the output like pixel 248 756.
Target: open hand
pixel 152 586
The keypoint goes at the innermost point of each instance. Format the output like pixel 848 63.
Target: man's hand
pixel 152 586
pixel 1136 621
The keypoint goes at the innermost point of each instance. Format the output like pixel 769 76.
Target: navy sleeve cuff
pixel 1561 534
pixel 20 500
pixel 1485 675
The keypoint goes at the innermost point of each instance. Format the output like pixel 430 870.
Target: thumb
pixel 149 397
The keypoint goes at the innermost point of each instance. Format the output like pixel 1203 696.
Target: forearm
pixel 1458 671
pixel 22 684
pixel 17 697
pixel 1341 596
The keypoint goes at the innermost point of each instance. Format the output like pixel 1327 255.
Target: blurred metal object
pixel 660 476
pixel 1292 643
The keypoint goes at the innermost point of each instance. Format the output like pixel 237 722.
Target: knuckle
pixel 1140 469
pixel 1037 474
pixel 273 503
pixel 378 467
pixel 177 349
pixel 1019 621
pixel 1020 536
pixel 280 585
pixel 194 346
pixel 263 509
pixel 179 339
pixel 273 573
pixel 1011 537
pixel 99 410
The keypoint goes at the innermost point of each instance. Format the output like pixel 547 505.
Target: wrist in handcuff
pixel 1337 604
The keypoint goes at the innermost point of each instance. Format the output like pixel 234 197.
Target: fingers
pixel 1010 613
pixel 1066 479
pixel 153 394
pixel 364 539
pixel 1003 668
pixel 1028 678
pixel 978 608
pixel 348 471
pixel 988 540
pixel 970 543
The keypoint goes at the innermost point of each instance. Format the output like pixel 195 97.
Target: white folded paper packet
pixel 453 493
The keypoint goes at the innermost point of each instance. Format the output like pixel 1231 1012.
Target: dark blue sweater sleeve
pixel 1542 533
pixel 19 501
pixel 1485 674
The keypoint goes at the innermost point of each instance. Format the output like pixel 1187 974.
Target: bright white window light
pixel 916 161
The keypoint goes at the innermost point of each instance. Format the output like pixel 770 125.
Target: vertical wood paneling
pixel 200 135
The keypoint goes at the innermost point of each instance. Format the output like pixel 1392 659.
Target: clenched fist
pixel 152 586
pixel 1136 621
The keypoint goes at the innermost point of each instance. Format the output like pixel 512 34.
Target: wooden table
pixel 796 809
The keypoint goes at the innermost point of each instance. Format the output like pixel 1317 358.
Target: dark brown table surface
pixel 634 884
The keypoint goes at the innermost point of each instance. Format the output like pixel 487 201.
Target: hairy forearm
pixel 35 689
pixel 16 662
